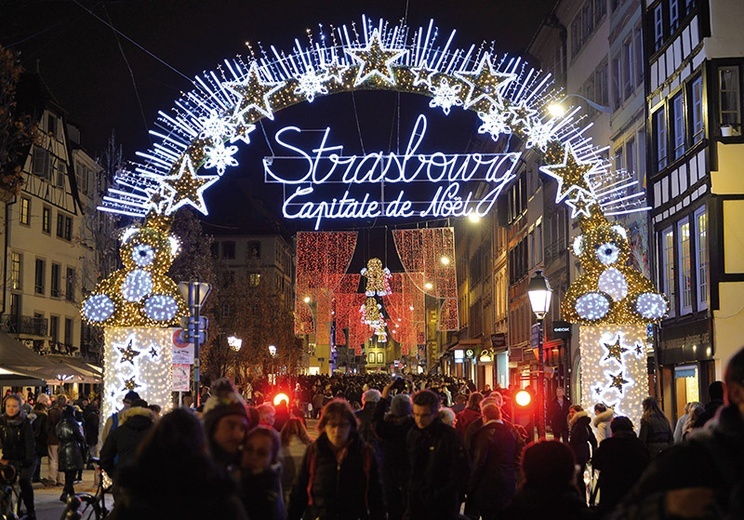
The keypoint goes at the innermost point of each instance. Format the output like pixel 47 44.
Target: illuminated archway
pixel 196 144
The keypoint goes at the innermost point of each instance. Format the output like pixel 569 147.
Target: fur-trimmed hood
pixel 136 411
pixel 578 416
pixel 603 417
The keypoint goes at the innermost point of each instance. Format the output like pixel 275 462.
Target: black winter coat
pixel 580 436
pixel 439 472
pixel 262 494
pixel 553 503
pixel 493 480
pixel 134 424
pixel 40 433
pixel 656 433
pixel 17 439
pixel 326 489
pixel 558 413
pixel 393 432
pixel 71 444
pixel 621 460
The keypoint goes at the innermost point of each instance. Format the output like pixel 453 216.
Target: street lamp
pixel 540 294
pixel 272 353
pixel 235 343
pixel 558 110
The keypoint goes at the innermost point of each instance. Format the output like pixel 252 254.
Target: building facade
pixel 695 55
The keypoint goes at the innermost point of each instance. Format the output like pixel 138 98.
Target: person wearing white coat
pixel 602 418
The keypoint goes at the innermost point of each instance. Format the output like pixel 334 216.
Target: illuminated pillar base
pixel 614 368
pixel 139 359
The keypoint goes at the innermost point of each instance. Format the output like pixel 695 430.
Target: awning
pixel 83 372
pixel 16 358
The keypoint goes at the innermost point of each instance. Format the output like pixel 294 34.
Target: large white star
pixel 253 94
pixel 580 204
pixel 375 60
pixel 188 187
pixel 484 82
pixel 572 174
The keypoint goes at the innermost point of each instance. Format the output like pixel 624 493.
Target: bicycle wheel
pixel 88 509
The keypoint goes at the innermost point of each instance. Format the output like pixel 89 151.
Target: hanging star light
pixel 153 353
pixel 187 187
pixel 485 83
pixel 375 61
pixel 334 71
pixel 522 115
pixel 580 204
pixel 615 351
pixel 422 75
pixel 618 381
pixel 253 95
pixel 128 354
pixel 571 174
pixel 131 384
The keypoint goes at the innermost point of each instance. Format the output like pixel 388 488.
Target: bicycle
pixel 84 506
pixel 9 495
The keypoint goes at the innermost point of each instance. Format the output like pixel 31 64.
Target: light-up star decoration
pixel 131 384
pixel 334 70
pixel 254 95
pixel 128 354
pixel 615 351
pixel 571 174
pixel 422 75
pixel 485 83
pixel 618 381
pixel 375 61
pixel 187 187
pixel 580 204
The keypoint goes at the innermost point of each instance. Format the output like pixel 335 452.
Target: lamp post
pixel 557 109
pixel 540 294
pixel 195 294
pixel 272 353
pixel 235 343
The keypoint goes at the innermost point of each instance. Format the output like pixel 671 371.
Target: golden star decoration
pixel 615 351
pixel 128 354
pixel 253 95
pixel 335 71
pixel 375 61
pixel 580 203
pixel 571 174
pixel 188 187
pixel 131 384
pixel 423 75
pixel 485 83
pixel 618 381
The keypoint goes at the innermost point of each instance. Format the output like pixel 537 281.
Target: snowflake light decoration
pixel 220 157
pixel 495 122
pixel 310 84
pixel 446 96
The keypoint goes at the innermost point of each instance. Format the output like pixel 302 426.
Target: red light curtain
pixel 421 252
pixel 406 308
pixel 322 259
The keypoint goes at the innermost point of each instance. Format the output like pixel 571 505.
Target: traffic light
pixel 523 399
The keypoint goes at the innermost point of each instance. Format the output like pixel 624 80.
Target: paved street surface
pixel 48 506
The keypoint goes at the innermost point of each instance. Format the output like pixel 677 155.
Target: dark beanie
pixel 225 400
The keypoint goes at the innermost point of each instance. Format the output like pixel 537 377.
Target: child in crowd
pixel 260 481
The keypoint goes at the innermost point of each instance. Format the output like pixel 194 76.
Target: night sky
pixel 108 81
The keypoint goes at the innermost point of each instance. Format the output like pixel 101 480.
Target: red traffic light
pixel 523 398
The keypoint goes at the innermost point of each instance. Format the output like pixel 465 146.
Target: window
pixel 61 174
pixel 46 219
pixel 25 216
pixel 16 261
pixel 371 360
pixel 54 328
pixel 254 249
pixel 630 155
pixel 40 276
pixel 56 272
pixel 673 15
pixel 254 279
pixel 627 67
pixel 40 166
pixel 660 138
pixel 678 125
pixel 70 285
pixel 600 9
pixel 68 331
pixel 658 27
pixel 52 124
pixel 380 358
pixel 696 96
pixel 64 226
pixel 701 259
pixel 586 21
pixel 685 270
pixel 638 55
pixel 228 249
pixel 729 102
pixel 667 256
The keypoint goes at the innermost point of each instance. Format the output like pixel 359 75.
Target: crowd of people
pixel 393 454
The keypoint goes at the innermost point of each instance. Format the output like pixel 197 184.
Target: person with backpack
pixel 339 477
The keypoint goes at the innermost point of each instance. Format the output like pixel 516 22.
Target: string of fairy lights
pixel 611 301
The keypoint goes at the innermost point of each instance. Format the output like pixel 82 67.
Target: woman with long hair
pixel 339 478
pixel 17 441
pixel 173 476
pixel 656 432
pixel 294 442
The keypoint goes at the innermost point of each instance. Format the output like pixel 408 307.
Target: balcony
pixel 26 325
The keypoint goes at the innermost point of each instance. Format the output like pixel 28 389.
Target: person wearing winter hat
pixel 136 422
pixel 113 420
pixel 225 423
